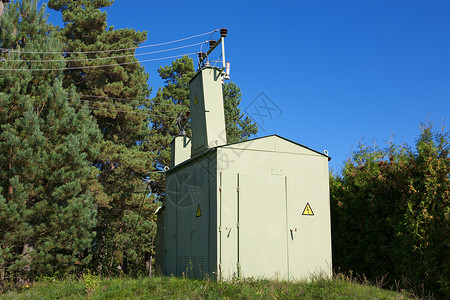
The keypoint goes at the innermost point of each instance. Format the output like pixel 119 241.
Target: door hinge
pixel 237 189
pixel 237 224
pixel 220 228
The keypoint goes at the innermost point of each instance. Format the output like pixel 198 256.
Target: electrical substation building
pixel 258 208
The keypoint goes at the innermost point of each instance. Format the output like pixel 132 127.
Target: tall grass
pixel 341 287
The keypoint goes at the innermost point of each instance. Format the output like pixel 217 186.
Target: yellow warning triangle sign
pixel 195 100
pixel 199 212
pixel 308 211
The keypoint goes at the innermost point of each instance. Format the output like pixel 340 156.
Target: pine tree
pixel 173 100
pixel 125 221
pixel 47 209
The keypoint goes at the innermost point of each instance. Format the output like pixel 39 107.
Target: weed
pixel 91 281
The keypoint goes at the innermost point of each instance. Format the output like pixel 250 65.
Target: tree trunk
pixel 2 274
pixel 150 267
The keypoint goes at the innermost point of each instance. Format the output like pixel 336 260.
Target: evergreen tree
pixel 171 112
pixel 125 221
pixel 47 209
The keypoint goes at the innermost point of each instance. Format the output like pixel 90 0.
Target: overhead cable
pixel 129 100
pixel 131 112
pixel 98 58
pixel 100 66
pixel 124 105
pixel 116 50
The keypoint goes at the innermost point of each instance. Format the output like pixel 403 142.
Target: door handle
pixel 292 233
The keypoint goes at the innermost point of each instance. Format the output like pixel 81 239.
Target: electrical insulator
pixel 201 57
pixel 223 32
pixel 227 70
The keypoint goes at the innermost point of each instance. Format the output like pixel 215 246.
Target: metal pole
pixel 223 52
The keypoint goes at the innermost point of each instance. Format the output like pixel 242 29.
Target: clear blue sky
pixel 339 71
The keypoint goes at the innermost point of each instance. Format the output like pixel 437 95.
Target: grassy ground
pixel 93 287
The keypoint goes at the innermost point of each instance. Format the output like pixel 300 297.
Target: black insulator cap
pixel 223 32
pixel 212 43
pixel 201 55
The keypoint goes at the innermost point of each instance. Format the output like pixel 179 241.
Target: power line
pixel 131 112
pixel 98 58
pixel 116 50
pixel 124 105
pixel 129 100
pixel 101 66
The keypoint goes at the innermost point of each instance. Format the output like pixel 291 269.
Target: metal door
pixel 309 235
pixel 262 226
pixel 193 214
pixel 228 234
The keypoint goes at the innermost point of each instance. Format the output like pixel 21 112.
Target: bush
pixel 390 213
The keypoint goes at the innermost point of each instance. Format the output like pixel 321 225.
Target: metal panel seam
pixel 237 229
pixel 287 227
pixel 220 227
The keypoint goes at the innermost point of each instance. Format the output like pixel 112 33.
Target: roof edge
pixel 283 138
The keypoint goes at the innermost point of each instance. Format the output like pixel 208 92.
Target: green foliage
pixel 47 209
pixel 390 212
pixel 61 5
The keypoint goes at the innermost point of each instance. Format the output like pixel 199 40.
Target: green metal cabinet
pixel 264 212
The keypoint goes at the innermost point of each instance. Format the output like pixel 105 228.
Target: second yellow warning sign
pixel 199 212
pixel 308 210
